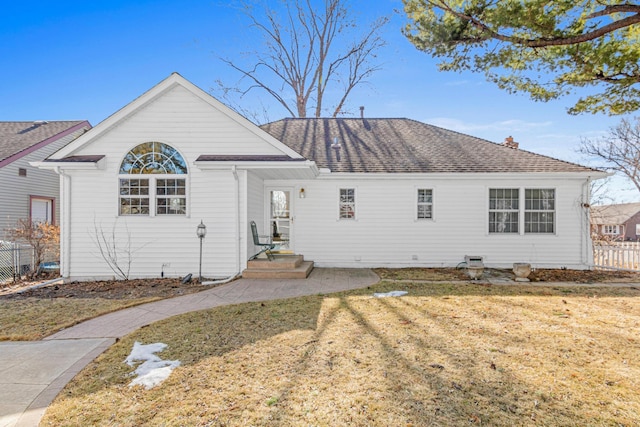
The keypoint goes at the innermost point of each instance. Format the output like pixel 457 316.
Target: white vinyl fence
pixel 617 255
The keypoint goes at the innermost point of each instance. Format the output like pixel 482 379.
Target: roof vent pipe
pixel 362 111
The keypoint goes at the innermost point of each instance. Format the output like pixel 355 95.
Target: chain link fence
pixel 16 260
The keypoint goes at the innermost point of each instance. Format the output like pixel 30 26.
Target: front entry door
pixel 281 219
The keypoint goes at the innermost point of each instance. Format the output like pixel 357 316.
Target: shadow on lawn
pixel 401 357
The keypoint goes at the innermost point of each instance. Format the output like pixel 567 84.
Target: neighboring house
pixel 27 192
pixel 342 192
pixel 616 222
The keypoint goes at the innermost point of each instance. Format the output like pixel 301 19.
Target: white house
pixel 27 192
pixel 342 192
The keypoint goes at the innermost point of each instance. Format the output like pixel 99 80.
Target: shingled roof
pixel 404 146
pixel 614 214
pixel 16 137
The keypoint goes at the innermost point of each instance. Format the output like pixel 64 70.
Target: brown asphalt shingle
pixel 404 146
pixel 19 136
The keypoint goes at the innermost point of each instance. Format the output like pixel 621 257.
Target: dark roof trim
pixel 248 158
pixel 78 159
pixel 44 143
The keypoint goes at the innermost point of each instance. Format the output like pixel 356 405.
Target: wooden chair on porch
pixel 266 247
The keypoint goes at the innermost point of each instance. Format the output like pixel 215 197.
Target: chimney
pixel 509 142
pixel 362 111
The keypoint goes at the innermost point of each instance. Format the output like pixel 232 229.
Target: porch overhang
pixel 91 162
pixel 266 167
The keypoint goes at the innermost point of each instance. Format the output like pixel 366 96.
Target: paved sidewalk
pixel 33 373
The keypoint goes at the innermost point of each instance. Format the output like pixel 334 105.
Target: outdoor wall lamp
pixel 302 194
pixel 201 231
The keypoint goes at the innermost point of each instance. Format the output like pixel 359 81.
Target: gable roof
pixel 614 214
pixel 20 138
pixel 405 146
pixel 156 92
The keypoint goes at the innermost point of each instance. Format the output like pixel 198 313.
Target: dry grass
pixel 35 318
pixel 38 312
pixel 444 355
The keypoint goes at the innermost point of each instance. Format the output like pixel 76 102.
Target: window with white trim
pixel 425 203
pixel 611 230
pixel 504 205
pixel 539 210
pixel 347 205
pixel 162 190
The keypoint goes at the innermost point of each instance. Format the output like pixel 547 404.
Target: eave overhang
pixel 92 162
pixel 267 167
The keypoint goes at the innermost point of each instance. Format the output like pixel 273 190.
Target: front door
pixel 281 219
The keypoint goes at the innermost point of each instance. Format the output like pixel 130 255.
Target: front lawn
pixel 445 354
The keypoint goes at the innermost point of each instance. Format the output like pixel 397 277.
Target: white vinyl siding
pixel 387 234
pixel 16 189
pixel 193 127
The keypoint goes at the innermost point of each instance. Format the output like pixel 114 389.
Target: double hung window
pixel 504 210
pixel 537 213
pixel 425 203
pixel 347 205
pixel 539 210
pixel 152 181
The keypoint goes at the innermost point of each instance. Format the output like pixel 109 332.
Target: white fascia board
pixel 249 165
pixel 62 165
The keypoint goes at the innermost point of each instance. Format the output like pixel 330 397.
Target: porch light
pixel 302 194
pixel 201 231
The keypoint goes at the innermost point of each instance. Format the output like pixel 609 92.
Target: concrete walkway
pixel 33 373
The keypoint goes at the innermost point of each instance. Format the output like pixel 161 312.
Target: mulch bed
pixel 109 289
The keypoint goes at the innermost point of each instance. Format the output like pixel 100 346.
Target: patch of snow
pixel 153 369
pixel 390 294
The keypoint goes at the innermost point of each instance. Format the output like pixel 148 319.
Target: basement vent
pixel 473 261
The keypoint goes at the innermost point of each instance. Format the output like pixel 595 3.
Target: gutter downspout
pixel 65 223
pixel 585 242
pixel 234 171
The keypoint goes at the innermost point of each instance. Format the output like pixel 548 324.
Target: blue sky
pixel 68 60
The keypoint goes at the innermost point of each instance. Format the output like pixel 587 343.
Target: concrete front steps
pixel 282 267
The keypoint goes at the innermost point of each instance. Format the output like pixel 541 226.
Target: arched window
pixel 164 193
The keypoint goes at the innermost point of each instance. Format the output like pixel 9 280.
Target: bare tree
pixel 308 53
pixel 116 252
pixel 619 150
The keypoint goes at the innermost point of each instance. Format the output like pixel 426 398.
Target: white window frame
pixel 611 230
pixel 152 178
pixel 498 210
pixel 522 211
pixel 418 203
pixel 153 195
pixel 354 206
pixel 50 207
pixel 539 210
